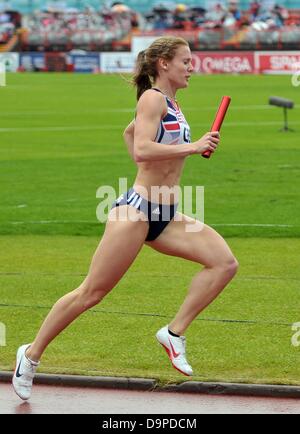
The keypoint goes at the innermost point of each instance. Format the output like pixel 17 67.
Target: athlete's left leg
pixel 190 239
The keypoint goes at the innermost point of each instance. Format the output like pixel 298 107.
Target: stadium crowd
pixel 76 28
pixel 10 21
pixel 217 16
pixel 68 27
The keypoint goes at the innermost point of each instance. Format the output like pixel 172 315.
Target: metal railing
pixel 287 38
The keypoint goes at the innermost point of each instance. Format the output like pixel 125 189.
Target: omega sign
pixel 216 63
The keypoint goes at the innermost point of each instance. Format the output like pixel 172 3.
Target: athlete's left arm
pixel 129 138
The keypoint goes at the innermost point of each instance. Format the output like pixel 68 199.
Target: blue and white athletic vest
pixel 173 128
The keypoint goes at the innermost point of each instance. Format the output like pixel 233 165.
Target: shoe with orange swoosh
pixel 175 348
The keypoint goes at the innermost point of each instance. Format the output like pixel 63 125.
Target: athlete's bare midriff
pixel 160 180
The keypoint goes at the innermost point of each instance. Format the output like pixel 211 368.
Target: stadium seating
pixel 64 25
pixel 26 6
pixel 290 39
pixel 210 39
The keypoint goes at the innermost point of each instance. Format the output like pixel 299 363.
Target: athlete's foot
pixel 24 373
pixel 175 348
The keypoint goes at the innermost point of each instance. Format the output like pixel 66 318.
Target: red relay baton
pixel 216 126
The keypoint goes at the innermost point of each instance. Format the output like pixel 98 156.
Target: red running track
pixel 75 400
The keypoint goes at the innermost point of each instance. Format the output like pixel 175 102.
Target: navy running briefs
pixel 158 215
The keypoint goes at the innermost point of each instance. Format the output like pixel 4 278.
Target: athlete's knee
pixel 92 292
pixel 229 266
pixel 225 266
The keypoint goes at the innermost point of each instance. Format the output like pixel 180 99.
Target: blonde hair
pixel 146 64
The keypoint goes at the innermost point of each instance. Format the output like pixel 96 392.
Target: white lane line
pixel 49 222
pixel 132 110
pixel 59 129
pixel 119 127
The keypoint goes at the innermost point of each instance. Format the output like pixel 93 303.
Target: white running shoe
pixel 24 373
pixel 175 348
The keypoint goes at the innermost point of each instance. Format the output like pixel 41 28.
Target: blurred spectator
pixel 281 15
pixel 4 18
pixel 9 22
pixel 215 16
pixel 233 9
pixel 163 17
pixel 233 15
pixel 180 16
pixel 254 10
pixel 197 16
pixel 6 32
pixel 11 16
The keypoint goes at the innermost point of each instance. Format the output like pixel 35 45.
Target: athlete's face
pixel 180 68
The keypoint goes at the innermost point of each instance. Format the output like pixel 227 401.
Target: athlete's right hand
pixel 209 142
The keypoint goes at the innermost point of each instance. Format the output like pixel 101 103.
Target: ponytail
pixel 141 78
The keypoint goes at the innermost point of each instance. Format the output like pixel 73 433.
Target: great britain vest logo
pixel 173 128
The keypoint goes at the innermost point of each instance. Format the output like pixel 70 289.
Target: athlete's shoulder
pixel 152 95
pixel 151 100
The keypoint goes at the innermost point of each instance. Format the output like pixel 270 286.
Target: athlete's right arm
pixel 151 109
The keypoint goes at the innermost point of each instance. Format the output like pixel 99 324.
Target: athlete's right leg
pixel 117 250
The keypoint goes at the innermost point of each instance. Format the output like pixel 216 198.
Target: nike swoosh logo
pixel 174 354
pixel 18 374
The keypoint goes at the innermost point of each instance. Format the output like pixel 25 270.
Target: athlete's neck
pixel 166 90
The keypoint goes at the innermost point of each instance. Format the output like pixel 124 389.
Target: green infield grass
pixel 61 139
pixel 244 336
